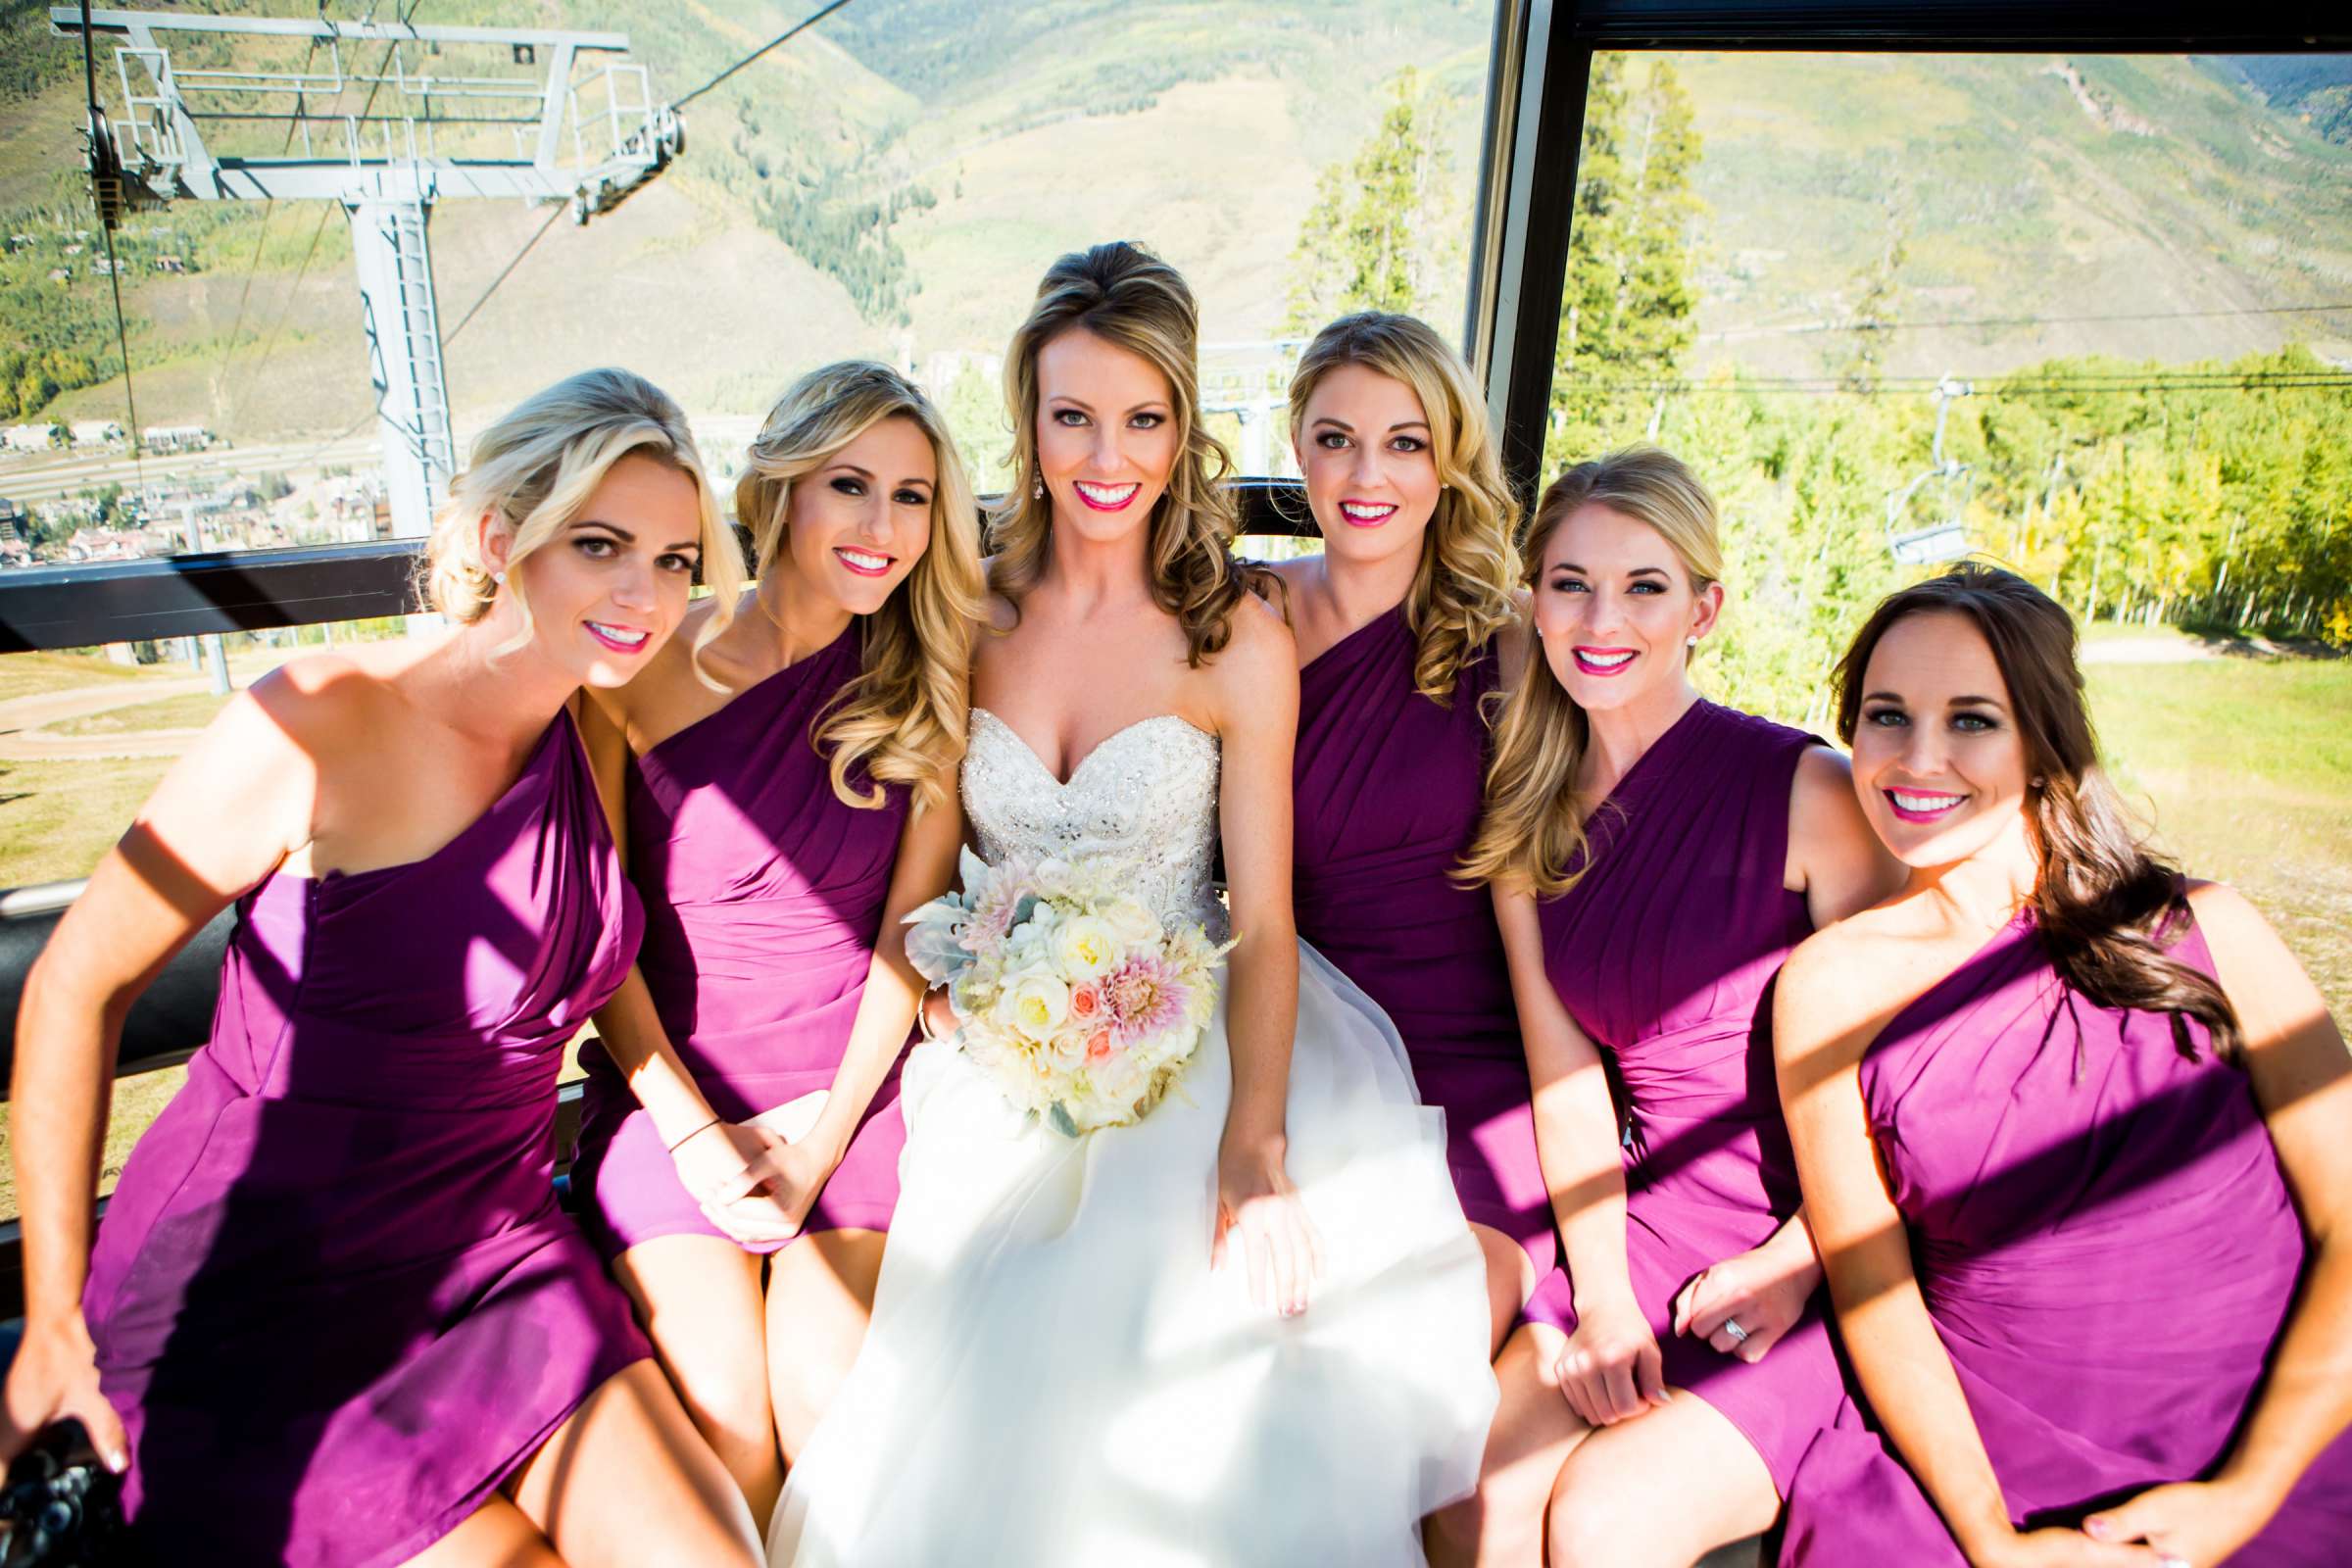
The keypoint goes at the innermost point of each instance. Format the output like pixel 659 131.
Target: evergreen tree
pixel 1627 304
pixel 1379 235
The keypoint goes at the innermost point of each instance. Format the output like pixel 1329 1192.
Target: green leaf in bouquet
pixel 1060 1116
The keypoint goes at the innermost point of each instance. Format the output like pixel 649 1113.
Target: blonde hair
pixel 536 468
pixel 1461 593
pixel 1533 831
pixel 1126 295
pixel 904 717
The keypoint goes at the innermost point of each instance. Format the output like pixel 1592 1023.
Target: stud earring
pixel 499 577
pixel 1691 641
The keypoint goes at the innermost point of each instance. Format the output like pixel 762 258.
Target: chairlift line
pixel 1796 329
pixel 801 25
pixel 270 345
pixel 101 150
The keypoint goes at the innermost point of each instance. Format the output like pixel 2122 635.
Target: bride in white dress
pixel 1253 1327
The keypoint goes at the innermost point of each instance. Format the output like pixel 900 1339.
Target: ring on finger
pixel 1731 1326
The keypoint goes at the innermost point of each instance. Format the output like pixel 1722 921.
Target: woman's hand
pixel 1611 1369
pixel 54 1376
pixel 2199 1523
pixel 1744 1304
pixel 1259 1212
pixel 741 1173
pixel 2062 1548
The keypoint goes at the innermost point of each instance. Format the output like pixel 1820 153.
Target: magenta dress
pixel 1663 954
pixel 2108 1251
pixel 763 895
pixel 1387 788
pixel 333 1298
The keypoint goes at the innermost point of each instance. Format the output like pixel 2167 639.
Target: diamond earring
pixel 499 577
pixel 1036 489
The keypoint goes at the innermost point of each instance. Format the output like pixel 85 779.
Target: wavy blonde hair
pixel 904 717
pixel 1461 593
pixel 538 466
pixel 1531 835
pixel 1129 297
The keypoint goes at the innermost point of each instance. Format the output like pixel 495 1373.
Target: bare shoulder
pixel 1823 776
pixel 321 699
pixel 1254 678
pixel 2220 907
pixel 1260 636
pixel 1862 967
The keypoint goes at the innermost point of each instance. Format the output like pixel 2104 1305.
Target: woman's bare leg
pixel 1660 1491
pixel 699 1300
pixel 820 1296
pixel 628 1481
pixel 1535 1432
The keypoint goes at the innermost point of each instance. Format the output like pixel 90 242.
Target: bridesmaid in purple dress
pixel 333 1302
pixel 781 817
pixel 1397 623
pixel 1654 857
pixel 2076 1137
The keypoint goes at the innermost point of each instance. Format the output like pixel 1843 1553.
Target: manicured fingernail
pixel 2096 1529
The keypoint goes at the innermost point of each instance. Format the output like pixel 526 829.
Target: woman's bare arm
pixel 228 813
pixel 1256 687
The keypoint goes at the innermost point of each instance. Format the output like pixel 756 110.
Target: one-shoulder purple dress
pixel 1663 954
pixel 1387 788
pixel 2106 1247
pixel 764 897
pixel 333 1298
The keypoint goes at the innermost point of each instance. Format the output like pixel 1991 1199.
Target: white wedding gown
pixel 1054 1374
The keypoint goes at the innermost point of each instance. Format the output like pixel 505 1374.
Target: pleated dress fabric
pixel 335 1298
pixel 1663 954
pixel 763 895
pixel 1387 787
pixel 2106 1247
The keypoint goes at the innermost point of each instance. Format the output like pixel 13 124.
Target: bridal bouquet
pixel 1070 992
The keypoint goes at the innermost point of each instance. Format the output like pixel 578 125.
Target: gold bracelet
pixel 698 1132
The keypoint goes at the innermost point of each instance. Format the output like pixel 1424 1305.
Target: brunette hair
pixel 903 717
pixel 1532 834
pixel 1461 593
pixel 2108 909
pixel 1129 297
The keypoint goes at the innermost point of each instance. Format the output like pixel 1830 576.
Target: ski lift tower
pixel 420 137
pixel 1941 534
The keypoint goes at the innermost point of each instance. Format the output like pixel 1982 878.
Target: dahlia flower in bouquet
pixel 1070 994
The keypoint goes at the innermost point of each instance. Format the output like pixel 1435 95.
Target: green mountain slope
pixel 892 182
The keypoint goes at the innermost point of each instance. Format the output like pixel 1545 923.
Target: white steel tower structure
pixel 532 133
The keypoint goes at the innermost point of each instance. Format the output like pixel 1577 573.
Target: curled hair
pixel 1532 834
pixel 903 720
pixel 1461 591
pixel 2107 907
pixel 1128 297
pixel 536 468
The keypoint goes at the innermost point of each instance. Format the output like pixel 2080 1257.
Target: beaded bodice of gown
pixel 1146 796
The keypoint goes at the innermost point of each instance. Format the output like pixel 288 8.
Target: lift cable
pixel 506 272
pixel 269 203
pixel 114 267
pixel 1991 385
pixel 806 23
pixel 554 211
pixel 1797 328
pixel 270 345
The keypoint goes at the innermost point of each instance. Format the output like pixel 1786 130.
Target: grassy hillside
pixel 892 182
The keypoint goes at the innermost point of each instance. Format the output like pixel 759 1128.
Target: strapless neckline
pixel 1095 751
